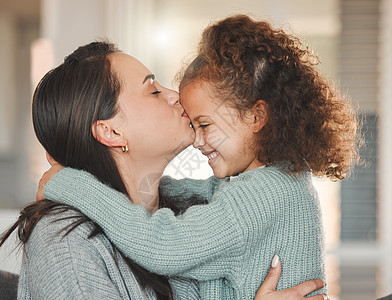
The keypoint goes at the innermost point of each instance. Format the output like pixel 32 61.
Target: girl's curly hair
pixel 309 123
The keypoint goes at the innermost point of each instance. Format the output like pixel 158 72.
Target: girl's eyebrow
pixel 149 76
pixel 198 117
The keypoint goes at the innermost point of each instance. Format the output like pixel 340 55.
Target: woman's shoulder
pixel 59 242
pixel 61 218
pixel 77 266
pixel 59 229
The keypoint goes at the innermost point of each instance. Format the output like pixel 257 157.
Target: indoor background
pixel 353 39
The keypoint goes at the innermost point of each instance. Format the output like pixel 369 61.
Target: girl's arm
pixel 183 189
pixel 203 243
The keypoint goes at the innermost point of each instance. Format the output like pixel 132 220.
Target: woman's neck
pixel 142 181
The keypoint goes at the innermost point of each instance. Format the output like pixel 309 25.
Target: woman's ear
pixel 260 115
pixel 105 134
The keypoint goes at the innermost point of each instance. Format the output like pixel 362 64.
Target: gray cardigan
pixel 76 267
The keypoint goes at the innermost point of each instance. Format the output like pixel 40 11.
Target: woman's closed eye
pixel 203 125
pixel 156 92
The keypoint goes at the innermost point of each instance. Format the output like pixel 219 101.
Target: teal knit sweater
pixel 226 244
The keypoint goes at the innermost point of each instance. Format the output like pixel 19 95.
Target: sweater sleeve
pixel 199 244
pixel 63 267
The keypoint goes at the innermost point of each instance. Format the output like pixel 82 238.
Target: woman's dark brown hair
pixel 66 103
pixel 310 125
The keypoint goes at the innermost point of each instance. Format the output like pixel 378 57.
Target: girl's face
pixel 150 116
pixel 221 135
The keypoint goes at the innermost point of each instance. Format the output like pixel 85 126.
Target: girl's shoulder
pixel 272 174
pixel 268 181
pixel 271 189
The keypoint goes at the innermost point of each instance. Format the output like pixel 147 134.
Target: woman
pixel 103 112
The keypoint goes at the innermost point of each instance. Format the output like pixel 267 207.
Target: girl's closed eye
pixel 203 125
pixel 156 92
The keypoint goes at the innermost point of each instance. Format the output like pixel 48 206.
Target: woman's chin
pixel 186 140
pixel 181 138
pixel 187 136
pixel 182 142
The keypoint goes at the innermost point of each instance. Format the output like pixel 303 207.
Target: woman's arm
pixel 161 242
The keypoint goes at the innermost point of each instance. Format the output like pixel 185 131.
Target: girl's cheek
pixel 205 135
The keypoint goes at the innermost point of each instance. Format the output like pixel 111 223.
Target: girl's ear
pixel 105 134
pixel 260 115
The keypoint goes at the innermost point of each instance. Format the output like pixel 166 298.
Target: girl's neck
pixel 253 165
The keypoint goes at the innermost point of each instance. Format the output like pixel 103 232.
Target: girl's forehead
pixel 198 100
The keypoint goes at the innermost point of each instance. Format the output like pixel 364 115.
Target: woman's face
pixel 150 116
pixel 221 134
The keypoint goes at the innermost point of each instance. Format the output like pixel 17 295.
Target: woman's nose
pixel 173 97
pixel 199 141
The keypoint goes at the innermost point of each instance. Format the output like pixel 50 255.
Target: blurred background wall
pixel 353 39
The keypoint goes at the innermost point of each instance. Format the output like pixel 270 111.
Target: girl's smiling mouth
pixel 212 156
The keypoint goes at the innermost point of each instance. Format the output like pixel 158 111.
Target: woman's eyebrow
pixel 149 76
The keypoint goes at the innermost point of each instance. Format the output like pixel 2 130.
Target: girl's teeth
pixel 213 155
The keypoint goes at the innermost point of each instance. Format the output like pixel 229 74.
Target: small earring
pixel 125 148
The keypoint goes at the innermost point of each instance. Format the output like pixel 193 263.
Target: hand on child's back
pixel 267 291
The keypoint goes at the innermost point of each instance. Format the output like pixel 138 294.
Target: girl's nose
pixel 199 141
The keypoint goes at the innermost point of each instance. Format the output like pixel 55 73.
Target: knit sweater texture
pixel 227 244
pixel 59 266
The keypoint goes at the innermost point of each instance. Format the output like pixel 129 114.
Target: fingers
pixel 271 281
pixel 311 286
pixel 40 192
pixel 267 289
pixel 55 168
pixel 50 159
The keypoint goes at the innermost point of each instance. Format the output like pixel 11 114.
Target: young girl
pixel 266 120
